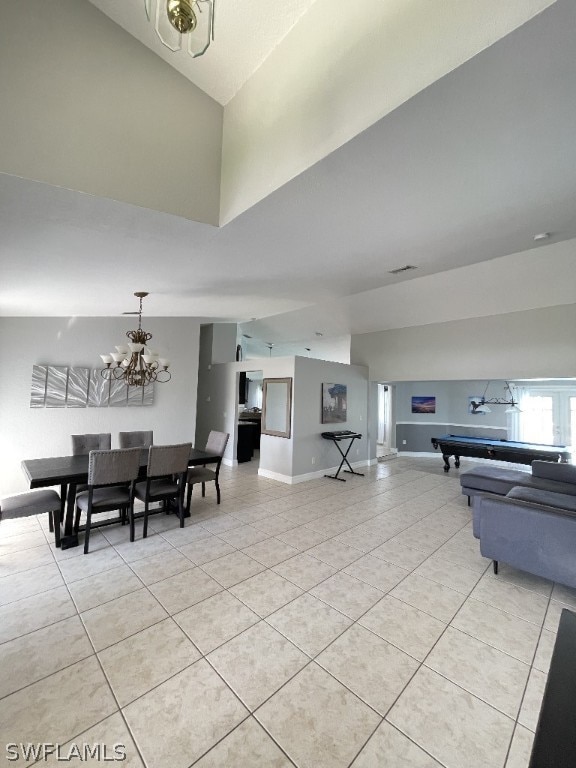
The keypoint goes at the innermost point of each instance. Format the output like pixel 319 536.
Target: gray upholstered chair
pixel 33 503
pixel 217 442
pixel 165 480
pixel 136 439
pixel 83 444
pixel 111 483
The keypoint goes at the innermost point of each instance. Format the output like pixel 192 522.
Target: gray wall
pixel 305 452
pixel 218 408
pixel 452 413
pixel 519 345
pixel 311 452
pixel 28 433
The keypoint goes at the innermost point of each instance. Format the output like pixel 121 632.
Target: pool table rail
pixel 497 450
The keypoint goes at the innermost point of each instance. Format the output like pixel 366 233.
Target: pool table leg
pixel 456 461
pixel 446 458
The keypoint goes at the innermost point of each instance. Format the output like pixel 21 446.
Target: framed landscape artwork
pixel 334 403
pixel 424 404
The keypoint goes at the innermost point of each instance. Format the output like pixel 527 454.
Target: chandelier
pixel 481 406
pixel 135 363
pixel 183 24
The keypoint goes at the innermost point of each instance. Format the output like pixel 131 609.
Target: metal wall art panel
pixel 118 393
pixel 135 395
pixel 38 387
pixel 78 379
pixel 98 391
pixel 148 398
pixel 56 386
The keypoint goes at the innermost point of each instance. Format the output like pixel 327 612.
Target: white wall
pixel 88 107
pixel 28 433
pixel 519 345
pixel 337 72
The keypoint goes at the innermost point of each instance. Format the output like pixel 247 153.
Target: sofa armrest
pixel 533 538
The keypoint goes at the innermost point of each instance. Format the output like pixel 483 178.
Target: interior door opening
pixel 384 441
pixel 249 417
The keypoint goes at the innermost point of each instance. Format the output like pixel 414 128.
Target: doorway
pixel 384 438
pixel 249 417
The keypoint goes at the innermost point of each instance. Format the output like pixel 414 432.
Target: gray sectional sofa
pixel 526 518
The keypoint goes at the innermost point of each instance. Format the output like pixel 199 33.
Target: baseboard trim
pixel 230 462
pixel 295 479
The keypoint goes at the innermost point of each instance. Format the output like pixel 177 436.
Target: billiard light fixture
pixel 183 24
pixel 481 406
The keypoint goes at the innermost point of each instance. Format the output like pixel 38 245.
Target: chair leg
pixel 56 518
pixel 145 531
pixel 181 508
pixel 50 522
pixel 188 498
pixel 131 521
pixel 217 492
pixel 495 566
pixel 203 490
pixel 87 533
pixel 77 519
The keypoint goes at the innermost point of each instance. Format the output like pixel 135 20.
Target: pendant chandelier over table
pixel 135 363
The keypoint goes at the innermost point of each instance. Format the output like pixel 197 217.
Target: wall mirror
pixel 276 407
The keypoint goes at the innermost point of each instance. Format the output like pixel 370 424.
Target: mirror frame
pixel 288 412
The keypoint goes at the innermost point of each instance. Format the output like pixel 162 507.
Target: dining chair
pixel 112 478
pixel 33 503
pixel 217 442
pixel 136 439
pixel 83 444
pixel 165 480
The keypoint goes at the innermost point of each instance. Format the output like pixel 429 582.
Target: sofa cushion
pixel 562 473
pixel 545 498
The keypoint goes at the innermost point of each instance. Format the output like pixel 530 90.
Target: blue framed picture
pixel 424 404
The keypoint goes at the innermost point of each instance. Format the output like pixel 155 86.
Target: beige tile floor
pixel 321 625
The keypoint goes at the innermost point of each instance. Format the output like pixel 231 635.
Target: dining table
pixel 69 472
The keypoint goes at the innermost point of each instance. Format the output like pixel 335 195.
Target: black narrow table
pixel 337 437
pixel 70 471
pixel 555 740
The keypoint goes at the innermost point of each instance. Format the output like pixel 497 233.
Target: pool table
pixel 500 450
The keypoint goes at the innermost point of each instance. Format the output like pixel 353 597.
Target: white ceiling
pixel 247 31
pixel 466 171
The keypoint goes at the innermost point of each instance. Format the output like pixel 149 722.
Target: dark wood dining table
pixel 71 471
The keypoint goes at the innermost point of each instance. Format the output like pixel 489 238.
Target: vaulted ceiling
pixel 324 184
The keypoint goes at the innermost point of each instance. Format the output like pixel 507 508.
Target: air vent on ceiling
pixel 407 268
